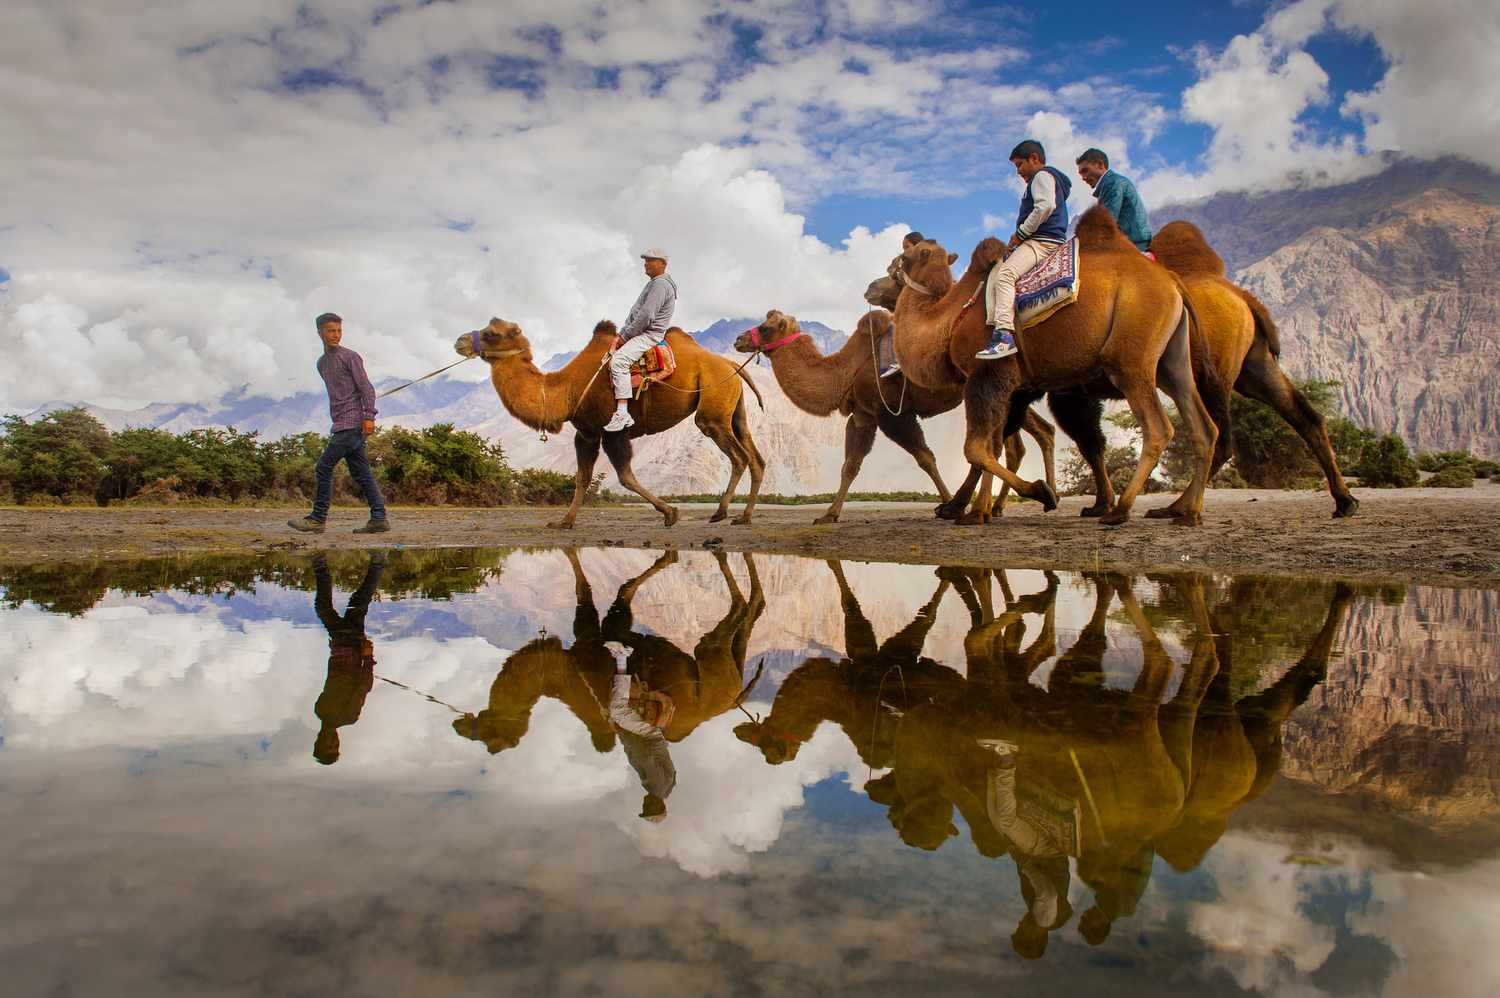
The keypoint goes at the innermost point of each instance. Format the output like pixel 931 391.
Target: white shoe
pixel 619 421
pixel 999 746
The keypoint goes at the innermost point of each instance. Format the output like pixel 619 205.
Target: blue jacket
pixel 1055 226
pixel 1120 197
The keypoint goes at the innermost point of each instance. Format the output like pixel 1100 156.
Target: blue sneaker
pixel 894 368
pixel 1002 344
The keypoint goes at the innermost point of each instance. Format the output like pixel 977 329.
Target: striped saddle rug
pixel 657 364
pixel 1049 286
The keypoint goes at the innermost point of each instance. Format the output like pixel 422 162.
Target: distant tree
pixel 138 457
pixel 61 454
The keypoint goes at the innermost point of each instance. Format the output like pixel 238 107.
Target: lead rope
pixel 875 359
pixel 433 374
pixel 425 696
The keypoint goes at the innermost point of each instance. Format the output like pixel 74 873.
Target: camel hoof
pixel 972 519
pixel 1098 509
pixel 1043 494
pixel 826 518
pixel 740 521
pixel 947 511
pixel 1165 513
pixel 560 525
pixel 670 516
pixel 719 515
pixel 1346 507
pixel 1115 517
pixel 1192 519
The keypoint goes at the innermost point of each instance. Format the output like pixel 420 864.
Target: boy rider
pixel 1042 226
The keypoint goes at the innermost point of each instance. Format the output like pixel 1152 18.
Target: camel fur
pixel 704 387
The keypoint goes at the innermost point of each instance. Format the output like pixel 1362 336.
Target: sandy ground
pixel 1432 535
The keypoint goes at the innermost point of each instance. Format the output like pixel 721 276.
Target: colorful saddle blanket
pixel 657 364
pixel 1049 286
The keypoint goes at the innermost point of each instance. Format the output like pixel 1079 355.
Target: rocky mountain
pixel 1389 285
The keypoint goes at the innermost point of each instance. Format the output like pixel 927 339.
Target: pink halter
pixel 754 334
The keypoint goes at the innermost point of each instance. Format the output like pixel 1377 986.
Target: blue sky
pixel 185 192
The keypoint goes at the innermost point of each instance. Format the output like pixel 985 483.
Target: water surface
pixel 354 775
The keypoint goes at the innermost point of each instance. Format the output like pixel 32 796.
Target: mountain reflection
pixel 1072 769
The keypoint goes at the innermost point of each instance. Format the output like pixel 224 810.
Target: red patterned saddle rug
pixel 657 364
pixel 1049 286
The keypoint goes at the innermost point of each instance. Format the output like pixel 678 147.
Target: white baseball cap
pixel 655 253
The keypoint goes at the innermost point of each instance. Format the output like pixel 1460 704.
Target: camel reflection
pixel 351 655
pixel 698 686
pixel 1075 774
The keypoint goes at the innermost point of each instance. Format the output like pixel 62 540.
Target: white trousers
pixel 1000 288
pixel 619 366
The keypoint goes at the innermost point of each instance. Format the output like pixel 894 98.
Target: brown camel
pixel 848 381
pixel 882 293
pixel 703 386
pixel 1128 332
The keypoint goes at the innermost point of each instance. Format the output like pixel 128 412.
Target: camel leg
pixel 859 437
pixel 740 423
pixel 951 509
pixel 859 636
pixel 1174 374
pixel 586 449
pixel 986 507
pixel 1262 379
pixel 1156 433
pixel 1045 435
pixel 723 437
pixel 617 449
pixel 906 431
pixel 1079 415
pixel 986 406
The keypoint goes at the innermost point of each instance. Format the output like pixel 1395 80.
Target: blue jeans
pixel 347 446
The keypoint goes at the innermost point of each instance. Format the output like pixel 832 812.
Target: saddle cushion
pixel 657 364
pixel 1049 286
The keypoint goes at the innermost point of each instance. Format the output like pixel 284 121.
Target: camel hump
pixel 678 333
pixel 1180 246
pixel 604 326
pixel 1098 232
pixel 876 322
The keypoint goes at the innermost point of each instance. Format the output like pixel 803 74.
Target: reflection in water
pixel 351 655
pixel 1087 763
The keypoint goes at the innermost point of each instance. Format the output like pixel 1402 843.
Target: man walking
pixel 351 403
pixel 644 328
pixel 1118 195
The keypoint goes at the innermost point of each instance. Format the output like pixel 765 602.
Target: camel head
pixel 776 746
pixel 499 339
pixel 496 731
pixel 778 329
pixel 883 291
pixel 926 268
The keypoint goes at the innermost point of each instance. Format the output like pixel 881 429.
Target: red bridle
pixel 754 334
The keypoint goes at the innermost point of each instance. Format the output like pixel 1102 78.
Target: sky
pixel 185 184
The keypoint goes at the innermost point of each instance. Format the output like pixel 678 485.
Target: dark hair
pixel 1092 155
pixel 325 318
pixel 1028 148
pixel 913 237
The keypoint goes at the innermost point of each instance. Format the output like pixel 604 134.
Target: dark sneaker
pixel 886 372
pixel 307 525
pixel 1002 344
pixel 380 526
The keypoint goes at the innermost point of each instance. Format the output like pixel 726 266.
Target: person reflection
pixel 641 716
pixel 351 655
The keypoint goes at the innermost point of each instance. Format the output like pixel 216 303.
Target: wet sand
pixel 1430 535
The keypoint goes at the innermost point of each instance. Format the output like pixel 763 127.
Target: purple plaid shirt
pixel 351 397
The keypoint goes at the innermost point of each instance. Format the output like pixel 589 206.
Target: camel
pixel 1127 332
pixel 848 381
pixel 702 685
pixel 704 386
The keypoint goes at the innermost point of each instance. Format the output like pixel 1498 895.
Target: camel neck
pixel 815 383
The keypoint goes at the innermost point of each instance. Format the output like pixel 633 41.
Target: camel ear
pixel 952 258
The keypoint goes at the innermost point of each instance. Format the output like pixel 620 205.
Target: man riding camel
pixel 644 328
pixel 1041 227
pixel 1118 195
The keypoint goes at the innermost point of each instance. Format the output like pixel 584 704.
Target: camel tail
pixel 1265 326
pixel 754 389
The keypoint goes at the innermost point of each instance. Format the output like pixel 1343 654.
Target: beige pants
pixel 1000 289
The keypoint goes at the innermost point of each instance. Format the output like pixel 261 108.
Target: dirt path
pixel 1433 535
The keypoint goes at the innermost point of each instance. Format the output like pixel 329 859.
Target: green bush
pixel 1434 461
pixel 1485 468
pixel 1386 464
pixel 1452 476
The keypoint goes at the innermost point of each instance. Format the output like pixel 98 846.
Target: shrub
pixel 1436 461
pixel 1452 476
pixel 1386 464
